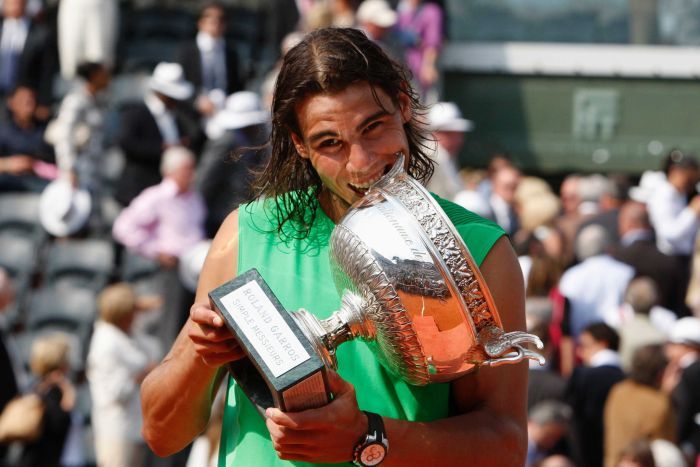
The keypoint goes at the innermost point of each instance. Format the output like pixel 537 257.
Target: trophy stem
pixel 343 325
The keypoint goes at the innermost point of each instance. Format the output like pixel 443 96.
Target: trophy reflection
pixel 410 288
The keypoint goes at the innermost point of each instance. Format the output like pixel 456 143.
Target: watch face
pixel 373 454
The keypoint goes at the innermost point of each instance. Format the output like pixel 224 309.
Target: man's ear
pixel 405 108
pixel 299 145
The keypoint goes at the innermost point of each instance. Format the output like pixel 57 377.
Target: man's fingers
pixel 202 314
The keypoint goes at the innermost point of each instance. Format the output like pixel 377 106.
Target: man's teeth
pixel 365 185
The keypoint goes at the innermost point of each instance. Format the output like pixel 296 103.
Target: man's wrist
pixel 372 448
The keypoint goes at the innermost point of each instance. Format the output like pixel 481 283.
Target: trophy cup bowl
pixel 409 287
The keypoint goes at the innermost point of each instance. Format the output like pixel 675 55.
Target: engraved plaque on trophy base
pixel 282 368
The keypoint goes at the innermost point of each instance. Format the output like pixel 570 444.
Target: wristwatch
pixel 373 448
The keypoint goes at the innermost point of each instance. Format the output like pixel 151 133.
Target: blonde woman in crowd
pixel 117 363
pixel 49 363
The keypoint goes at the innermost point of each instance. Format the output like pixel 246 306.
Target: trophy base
pixel 282 368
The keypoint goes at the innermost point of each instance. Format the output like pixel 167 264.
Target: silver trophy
pixel 409 287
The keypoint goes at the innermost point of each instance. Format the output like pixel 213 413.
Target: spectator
pixel 448 127
pixel 87 32
pixel 49 363
pixel 166 219
pixel 504 184
pixel 547 425
pixel 24 156
pixel 636 407
pixel 637 454
pixel 149 127
pixel 378 20
pixel 683 380
pixel 210 61
pixel 639 330
pixel 343 13
pixel 78 136
pixel 225 181
pixel 674 219
pixel 163 223
pixel 639 250
pixel 544 383
pixel 570 219
pixel 8 383
pixel 26 58
pixel 589 386
pixel 116 364
pixel 613 195
pixel 594 287
pixel 421 25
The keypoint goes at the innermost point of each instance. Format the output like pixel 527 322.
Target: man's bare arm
pixel 176 396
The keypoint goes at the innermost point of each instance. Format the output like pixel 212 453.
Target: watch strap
pixel 376 434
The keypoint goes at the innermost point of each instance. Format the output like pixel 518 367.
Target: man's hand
pixel 18 164
pixel 212 341
pixel 167 261
pixel 324 435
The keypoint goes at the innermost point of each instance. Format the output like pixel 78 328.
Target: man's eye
pixel 373 126
pixel 329 143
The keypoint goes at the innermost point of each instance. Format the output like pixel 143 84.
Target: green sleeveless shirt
pixel 298 271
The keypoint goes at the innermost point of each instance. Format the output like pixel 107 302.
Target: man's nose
pixel 359 159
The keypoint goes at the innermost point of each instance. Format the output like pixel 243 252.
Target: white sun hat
pixel 242 109
pixel 446 116
pixel 63 209
pixel 376 12
pixel 169 79
pixel 686 331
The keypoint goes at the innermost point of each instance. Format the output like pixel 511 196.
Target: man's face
pixel 587 347
pixel 22 104
pixel 183 175
pixel 568 193
pixel 351 140
pixel 212 22
pixel 548 435
pixel 13 8
pixel 452 141
pixel 505 183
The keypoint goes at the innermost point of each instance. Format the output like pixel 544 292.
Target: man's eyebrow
pixel 374 116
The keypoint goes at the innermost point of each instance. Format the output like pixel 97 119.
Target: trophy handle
pixel 497 347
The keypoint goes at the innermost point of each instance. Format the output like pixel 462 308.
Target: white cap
pixel 243 108
pixel 445 116
pixel 169 80
pixel 63 210
pixel 377 12
pixel 686 331
pixel 648 183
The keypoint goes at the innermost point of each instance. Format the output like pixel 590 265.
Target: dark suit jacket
pixel 142 144
pixel 647 260
pixel 191 60
pixel 38 62
pixel 686 399
pixel 587 392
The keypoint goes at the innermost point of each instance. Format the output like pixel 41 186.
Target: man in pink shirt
pixel 163 222
pixel 167 219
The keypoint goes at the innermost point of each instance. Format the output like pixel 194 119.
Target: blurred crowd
pixel 106 212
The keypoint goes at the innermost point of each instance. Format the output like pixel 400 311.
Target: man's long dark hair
pixel 328 61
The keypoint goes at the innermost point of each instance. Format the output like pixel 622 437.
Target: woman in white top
pixel 117 363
